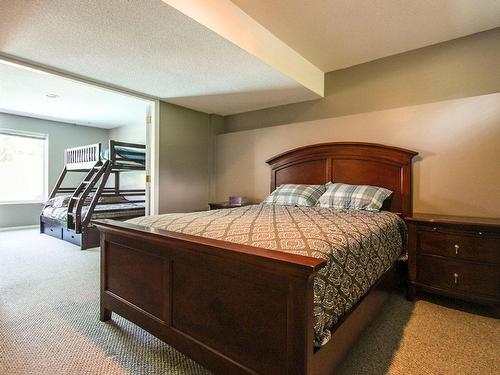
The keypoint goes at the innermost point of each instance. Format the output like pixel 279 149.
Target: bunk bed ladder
pixel 107 167
pixel 96 178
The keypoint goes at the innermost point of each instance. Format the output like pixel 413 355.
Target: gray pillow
pixel 295 195
pixel 355 197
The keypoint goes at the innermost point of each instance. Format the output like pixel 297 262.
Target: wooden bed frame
pixel 238 309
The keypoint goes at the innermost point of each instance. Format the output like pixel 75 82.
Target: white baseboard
pixel 20 227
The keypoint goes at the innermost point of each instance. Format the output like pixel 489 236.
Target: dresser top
pixel 459 220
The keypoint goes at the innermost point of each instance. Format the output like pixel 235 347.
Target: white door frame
pixel 152 159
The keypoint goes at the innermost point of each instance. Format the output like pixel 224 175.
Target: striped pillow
pixel 355 197
pixel 296 195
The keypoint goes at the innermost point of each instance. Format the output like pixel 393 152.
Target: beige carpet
pixel 49 325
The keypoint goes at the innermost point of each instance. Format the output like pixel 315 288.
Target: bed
pixel 68 212
pixel 240 309
pixel 104 210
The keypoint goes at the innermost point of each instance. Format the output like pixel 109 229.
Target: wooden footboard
pixel 235 309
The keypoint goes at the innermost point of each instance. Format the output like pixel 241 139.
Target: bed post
pixel 104 313
pixel 301 327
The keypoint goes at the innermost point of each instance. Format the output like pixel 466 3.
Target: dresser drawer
pixel 479 246
pixel 53 229
pixel 70 236
pixel 456 275
pixel 447 244
pixel 487 247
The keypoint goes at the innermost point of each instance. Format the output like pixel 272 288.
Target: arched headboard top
pixel 351 163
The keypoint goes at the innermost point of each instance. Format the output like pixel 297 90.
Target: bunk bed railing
pixel 83 157
pixel 122 153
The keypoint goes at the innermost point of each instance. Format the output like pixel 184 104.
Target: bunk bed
pixel 68 212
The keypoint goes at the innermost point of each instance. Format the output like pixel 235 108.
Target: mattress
pixel 358 246
pixel 101 211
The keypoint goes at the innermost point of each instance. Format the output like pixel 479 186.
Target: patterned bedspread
pixel 359 246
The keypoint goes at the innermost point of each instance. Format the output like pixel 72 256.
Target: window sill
pixel 14 203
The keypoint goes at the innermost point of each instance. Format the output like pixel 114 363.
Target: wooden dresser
pixel 454 256
pixel 221 205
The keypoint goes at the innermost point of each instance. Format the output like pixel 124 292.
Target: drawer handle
pixel 456 249
pixel 455 278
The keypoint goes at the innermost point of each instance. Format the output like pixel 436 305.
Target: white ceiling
pixel 339 33
pixel 150 47
pixel 23 91
pixel 145 46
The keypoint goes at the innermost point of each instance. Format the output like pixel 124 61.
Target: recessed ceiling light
pixel 52 96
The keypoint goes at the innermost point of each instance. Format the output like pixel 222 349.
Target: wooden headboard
pixel 351 163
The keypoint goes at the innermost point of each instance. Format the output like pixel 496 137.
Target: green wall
pixel 60 137
pixel 185 159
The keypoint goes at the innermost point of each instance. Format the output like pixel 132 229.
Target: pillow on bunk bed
pixel 113 199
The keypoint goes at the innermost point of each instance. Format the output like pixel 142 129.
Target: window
pixel 23 167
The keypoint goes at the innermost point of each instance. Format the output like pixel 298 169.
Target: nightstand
pixel 220 205
pixel 454 256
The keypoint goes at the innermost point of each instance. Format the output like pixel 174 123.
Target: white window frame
pixel 45 137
